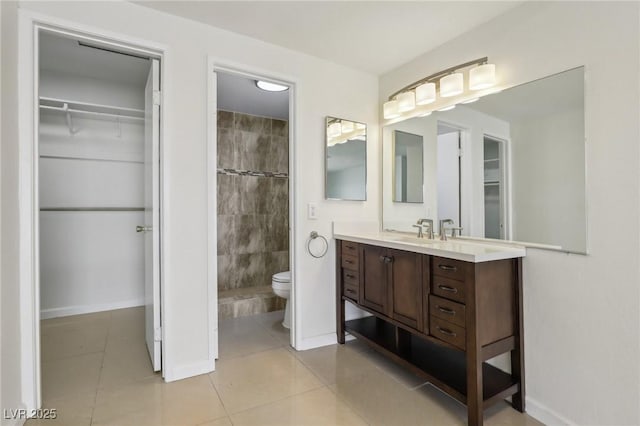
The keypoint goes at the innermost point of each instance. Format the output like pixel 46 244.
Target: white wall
pixel 581 312
pixel 10 292
pixel 548 202
pixel 350 93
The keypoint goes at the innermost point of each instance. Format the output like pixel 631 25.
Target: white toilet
pixel 281 283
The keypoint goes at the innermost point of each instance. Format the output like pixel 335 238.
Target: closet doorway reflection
pixel 99 201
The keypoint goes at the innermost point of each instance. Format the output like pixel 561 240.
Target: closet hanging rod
pixel 92 209
pixel 88 106
pixel 100 114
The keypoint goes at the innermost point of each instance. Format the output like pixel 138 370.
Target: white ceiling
pixel 66 55
pixel 240 94
pixel 372 36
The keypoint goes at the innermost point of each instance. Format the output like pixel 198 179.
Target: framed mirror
pixel 345 160
pixel 408 173
pixel 510 166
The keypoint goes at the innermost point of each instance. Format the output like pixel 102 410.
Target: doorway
pixel 449 174
pixel 98 204
pixel 494 188
pixel 254 198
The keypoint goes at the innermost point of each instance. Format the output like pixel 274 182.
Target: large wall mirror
pixel 346 160
pixel 509 166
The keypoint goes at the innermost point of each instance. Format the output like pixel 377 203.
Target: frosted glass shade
pixel 335 130
pixel 482 77
pixel 347 126
pixel 451 85
pixel 426 93
pixel 390 109
pixel 406 101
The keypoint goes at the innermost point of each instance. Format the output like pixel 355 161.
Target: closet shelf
pixel 96 111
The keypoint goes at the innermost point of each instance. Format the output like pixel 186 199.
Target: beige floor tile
pixel 502 414
pixel 69 376
pixel 383 401
pixel 244 336
pixel 225 421
pixel 128 324
pixel 272 322
pixel 125 362
pixel 331 363
pixel 396 371
pixel 185 402
pixel 75 410
pixel 74 337
pixel 317 407
pixel 261 378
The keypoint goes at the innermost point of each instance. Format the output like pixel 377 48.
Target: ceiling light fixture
pixel 270 87
pixel 449 83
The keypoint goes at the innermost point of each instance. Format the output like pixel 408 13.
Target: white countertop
pixel 466 250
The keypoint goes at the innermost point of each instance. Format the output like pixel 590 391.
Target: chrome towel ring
pixel 314 235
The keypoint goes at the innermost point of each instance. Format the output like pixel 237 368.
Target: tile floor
pixel 96 371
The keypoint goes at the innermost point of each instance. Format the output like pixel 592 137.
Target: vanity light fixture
pixel 449 83
pixel 335 129
pixel 347 126
pixel 270 87
pixel 390 109
pixel 482 77
pixel 406 101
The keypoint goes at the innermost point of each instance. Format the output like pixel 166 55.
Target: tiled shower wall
pixel 253 200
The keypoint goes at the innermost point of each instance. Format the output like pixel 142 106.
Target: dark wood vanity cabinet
pixel 442 318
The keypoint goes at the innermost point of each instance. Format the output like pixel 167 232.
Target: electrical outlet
pixel 312 210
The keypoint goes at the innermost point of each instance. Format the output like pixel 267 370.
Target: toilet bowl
pixel 281 284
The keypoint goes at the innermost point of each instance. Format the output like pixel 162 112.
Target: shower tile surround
pixel 253 211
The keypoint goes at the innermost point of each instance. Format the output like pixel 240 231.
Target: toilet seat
pixel 282 277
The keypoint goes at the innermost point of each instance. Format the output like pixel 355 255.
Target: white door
pixel 151 227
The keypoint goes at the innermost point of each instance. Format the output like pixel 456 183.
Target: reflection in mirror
pixel 407 164
pixel 509 166
pixel 346 160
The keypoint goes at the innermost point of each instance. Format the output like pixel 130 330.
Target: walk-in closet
pixel 92 159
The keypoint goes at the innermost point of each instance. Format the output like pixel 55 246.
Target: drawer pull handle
pixel 445 331
pixel 350 291
pixel 350 247
pixel 386 259
pixel 446 310
pixel 447 288
pixel 350 262
pixel 448 268
pixel 350 276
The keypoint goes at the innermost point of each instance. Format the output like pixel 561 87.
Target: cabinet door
pixel 374 278
pixel 406 288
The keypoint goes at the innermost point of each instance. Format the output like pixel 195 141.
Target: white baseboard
pixel 186 371
pixel 545 414
pixel 88 309
pixel 320 341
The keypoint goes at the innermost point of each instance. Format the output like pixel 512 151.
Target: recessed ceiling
pixel 372 36
pixel 68 56
pixel 240 94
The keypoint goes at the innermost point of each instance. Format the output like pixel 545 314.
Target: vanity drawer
pixel 350 248
pixel 447 332
pixel 448 288
pixel 450 268
pixel 349 262
pixel 350 277
pixel 447 310
pixel 351 290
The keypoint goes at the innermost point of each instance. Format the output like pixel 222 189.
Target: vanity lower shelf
pixel 443 367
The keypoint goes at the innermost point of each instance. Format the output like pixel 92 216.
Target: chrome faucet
pixel 443 231
pixel 428 223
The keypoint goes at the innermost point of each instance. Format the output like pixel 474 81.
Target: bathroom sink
pixel 411 240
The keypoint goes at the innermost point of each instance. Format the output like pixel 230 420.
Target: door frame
pixel 29 26
pixel 214 65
